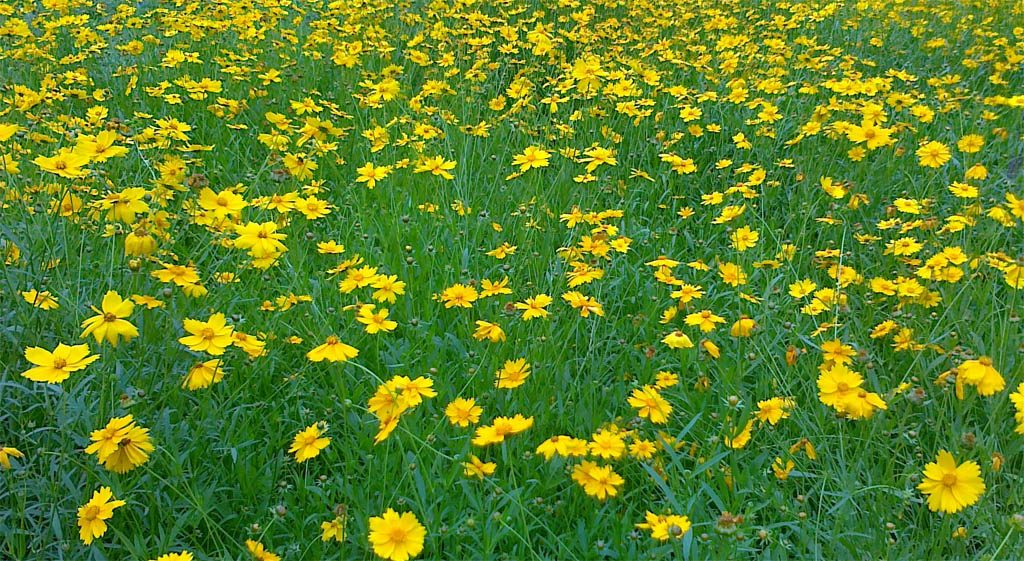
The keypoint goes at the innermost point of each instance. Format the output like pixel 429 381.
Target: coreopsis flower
pixel 596 156
pixel 650 404
pixel 260 552
pixel 300 166
pixel 396 537
pixel 933 154
pixel 490 331
pixel 607 444
pixel 371 174
pixel 388 288
pixel 375 320
pixel 1017 398
pixel 741 437
pixel 332 350
pixel 951 487
pixel 534 307
pixel 308 443
pixel 66 163
pixel 744 238
pixel 463 412
pixel 478 468
pixel 203 374
pixel 743 327
pixel 459 295
pixel 139 242
pixel 490 288
pixel 212 336
pixel 706 320
pixel 512 374
pixel 436 166
pixel 664 527
pixel 92 516
pixel 8 452
pixel 55 367
pixel 42 300
pixel 333 529
pixel 109 323
pixel 532 157
pixel 781 469
pixel 261 239
pixel 981 374
pixel 313 208
pixel 225 203
pixel 121 446
pixel 677 340
pixel 500 428
pixel 772 410
pixel 597 481
pixel 183 556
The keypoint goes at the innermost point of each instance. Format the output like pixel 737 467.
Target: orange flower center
pixel 59 363
pixel 842 386
pixel 109 317
pixel 949 479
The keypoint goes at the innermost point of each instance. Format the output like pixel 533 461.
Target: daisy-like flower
pixel 109 323
pixel 92 516
pixel 396 537
pixel 951 487
pixel 55 367
pixel 308 443
pixel 121 446
pixel 211 336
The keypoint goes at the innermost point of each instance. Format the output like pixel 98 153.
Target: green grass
pixel 221 473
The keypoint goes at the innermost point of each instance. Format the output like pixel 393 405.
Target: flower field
pixel 466 279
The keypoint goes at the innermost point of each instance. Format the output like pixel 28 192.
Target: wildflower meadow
pixel 510 279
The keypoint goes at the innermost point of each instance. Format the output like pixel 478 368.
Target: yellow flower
pixel 262 240
pixel 459 295
pixel 109 323
pixel 463 412
pixel 650 404
pixel 982 374
pixel 211 336
pixel 532 157
pixel 534 307
pixel 677 340
pixel 333 529
pixel 121 446
pixel 66 163
pixel 476 467
pixel 665 526
pixel 933 154
pixel 55 367
pixel 950 487
pixel 513 374
pixel 501 427
pixel 259 552
pixel 397 537
pixel 437 166
pixel 490 331
pixel 93 514
pixel 371 174
pixel 332 350
pixel 308 443
pixel 597 481
pixel 772 410
pixel 8 452
pixel 183 556
pixel 203 375
pixel 42 300
pixel 744 238
pixel 375 321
